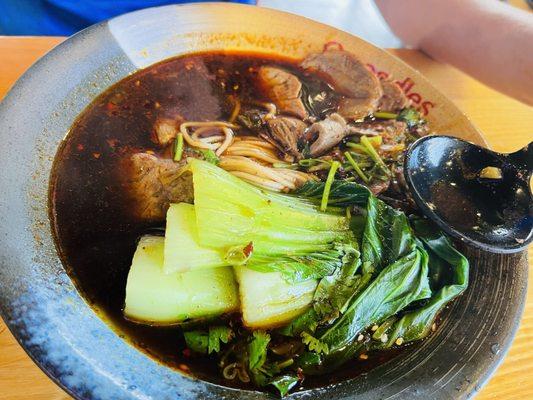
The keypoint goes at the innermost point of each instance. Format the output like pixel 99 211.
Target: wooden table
pixel 506 123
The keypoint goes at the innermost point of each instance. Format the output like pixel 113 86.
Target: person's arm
pixel 487 39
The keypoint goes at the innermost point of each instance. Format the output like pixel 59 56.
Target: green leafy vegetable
pixel 314 344
pixel 397 286
pixel 327 185
pixel 258 350
pixel 334 293
pixel 382 329
pixel 411 117
pixel 386 236
pixel 218 334
pixel 417 324
pixel 389 287
pixel 331 295
pixel 306 322
pixel 197 341
pixel 178 147
pixel 301 267
pixel 231 212
pixel 341 194
pixel 284 383
pixel 210 156
pixel 207 342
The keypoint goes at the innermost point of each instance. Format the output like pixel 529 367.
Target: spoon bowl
pixel 474 194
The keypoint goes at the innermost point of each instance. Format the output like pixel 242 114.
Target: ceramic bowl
pixel 72 343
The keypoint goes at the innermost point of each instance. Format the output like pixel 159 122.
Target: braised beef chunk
pixel 285 132
pixel 393 98
pixel 185 91
pixel 283 89
pixel 351 78
pixel 155 182
pixel 328 132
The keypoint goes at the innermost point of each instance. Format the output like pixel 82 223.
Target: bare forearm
pixel 487 39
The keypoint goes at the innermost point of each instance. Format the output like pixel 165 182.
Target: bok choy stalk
pixel 231 212
pixel 182 250
pixel 267 300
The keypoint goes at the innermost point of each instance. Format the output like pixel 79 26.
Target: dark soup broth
pixel 95 218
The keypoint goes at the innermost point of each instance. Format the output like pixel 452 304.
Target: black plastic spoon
pixel 477 195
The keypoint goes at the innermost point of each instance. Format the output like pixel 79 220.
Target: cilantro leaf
pixel 218 334
pixel 258 350
pixel 313 344
pixel 197 341
pixel 207 342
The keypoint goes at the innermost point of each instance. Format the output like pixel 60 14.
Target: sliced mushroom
pixel 393 98
pixel 350 77
pixel 283 89
pixel 154 183
pixel 286 131
pixel 329 132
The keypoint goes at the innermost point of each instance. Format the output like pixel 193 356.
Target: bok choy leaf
pixel 387 235
pixel 341 194
pixel 417 324
pixel 231 212
pixel 397 286
pixel 301 267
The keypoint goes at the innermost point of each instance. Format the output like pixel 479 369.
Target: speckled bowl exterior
pixel 86 356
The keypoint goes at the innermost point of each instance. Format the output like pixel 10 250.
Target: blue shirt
pixel 65 17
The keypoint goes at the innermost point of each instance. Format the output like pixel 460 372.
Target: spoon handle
pixel 523 158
